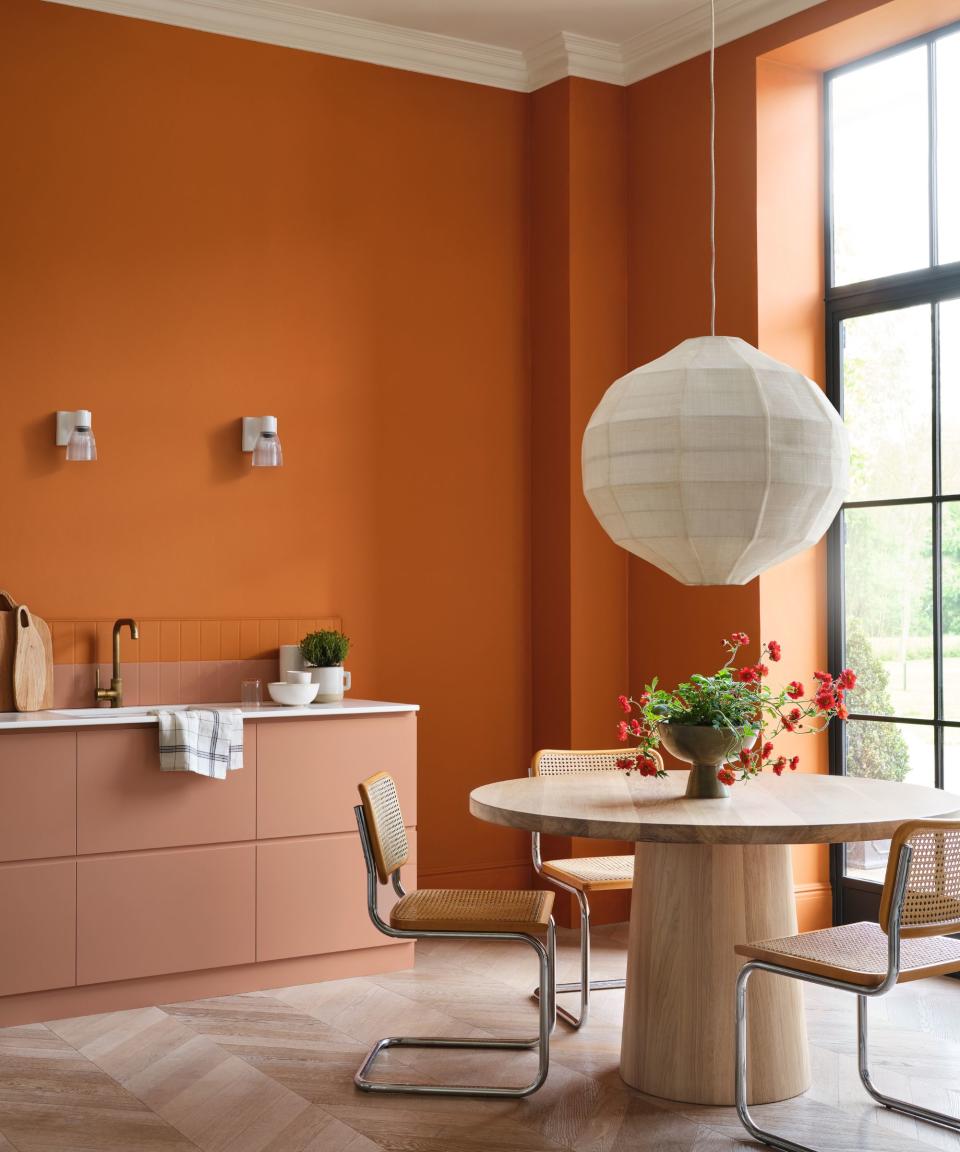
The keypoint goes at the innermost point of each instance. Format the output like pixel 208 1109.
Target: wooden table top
pixel 797 808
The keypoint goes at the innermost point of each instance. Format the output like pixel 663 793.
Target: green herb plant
pixel 325 649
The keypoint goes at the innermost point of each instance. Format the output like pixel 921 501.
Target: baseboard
pixel 58 1003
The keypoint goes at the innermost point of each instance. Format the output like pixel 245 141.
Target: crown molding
pixel 291 25
pixel 567 54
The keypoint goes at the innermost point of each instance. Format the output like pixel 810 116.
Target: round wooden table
pixel 709 874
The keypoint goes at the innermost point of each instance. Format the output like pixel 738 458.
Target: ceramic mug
pixel 294 677
pixel 333 683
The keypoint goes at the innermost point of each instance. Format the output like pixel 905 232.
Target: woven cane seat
pixel 857 953
pixel 470 910
pixel 592 873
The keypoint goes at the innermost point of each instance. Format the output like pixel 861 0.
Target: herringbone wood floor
pixel 272 1072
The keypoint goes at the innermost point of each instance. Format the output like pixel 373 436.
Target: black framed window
pixel 892 212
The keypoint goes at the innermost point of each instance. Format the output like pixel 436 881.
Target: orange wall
pixel 195 228
pixel 578 343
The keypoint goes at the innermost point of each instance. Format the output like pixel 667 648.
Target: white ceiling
pixel 516 44
pixel 519 23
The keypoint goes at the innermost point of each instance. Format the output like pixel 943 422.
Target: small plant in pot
pixel 724 725
pixel 324 653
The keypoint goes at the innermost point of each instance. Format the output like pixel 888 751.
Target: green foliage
pixel 325 649
pixel 875 751
pixel 716 701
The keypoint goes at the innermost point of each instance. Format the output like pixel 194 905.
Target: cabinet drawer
pixel 308 770
pixel 38 795
pixel 158 912
pixel 312 897
pixel 125 801
pixel 38 912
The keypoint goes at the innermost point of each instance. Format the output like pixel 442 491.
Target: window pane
pixel 900 752
pixel 951 611
pixel 880 168
pixel 887 399
pixel 948 154
pixel 889 610
pixel 950 396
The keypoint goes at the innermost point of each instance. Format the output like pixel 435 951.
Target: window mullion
pixel 937 549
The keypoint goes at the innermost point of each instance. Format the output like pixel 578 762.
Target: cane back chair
pixel 583 874
pixel 449 914
pixel 919 906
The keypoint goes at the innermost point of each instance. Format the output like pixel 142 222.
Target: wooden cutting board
pixel 47 640
pixel 29 664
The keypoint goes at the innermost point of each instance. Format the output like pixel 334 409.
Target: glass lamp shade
pixel 715 462
pixel 82 445
pixel 267 452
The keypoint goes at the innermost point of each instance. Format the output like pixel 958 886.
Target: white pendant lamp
pixel 715 461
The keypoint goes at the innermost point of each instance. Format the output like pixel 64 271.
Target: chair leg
pixel 740 1073
pixel 546 955
pixel 891 1102
pixel 584 985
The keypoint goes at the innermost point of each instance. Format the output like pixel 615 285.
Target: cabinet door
pixel 312 897
pixel 38 795
pixel 308 770
pixel 125 802
pixel 157 912
pixel 38 915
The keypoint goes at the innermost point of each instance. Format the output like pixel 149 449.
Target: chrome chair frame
pixel 584 985
pixel 864 995
pixel 546 955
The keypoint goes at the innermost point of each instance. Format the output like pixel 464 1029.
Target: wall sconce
pixel 260 437
pixel 75 430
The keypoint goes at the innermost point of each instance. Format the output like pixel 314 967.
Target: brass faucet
pixel 115 692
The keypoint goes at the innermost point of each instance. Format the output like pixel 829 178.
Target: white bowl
pixel 292 695
pixel 294 677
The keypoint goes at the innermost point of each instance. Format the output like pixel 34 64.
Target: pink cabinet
pixel 38 792
pixel 38 920
pixel 312 896
pixel 150 913
pixel 308 770
pixel 112 870
pixel 125 802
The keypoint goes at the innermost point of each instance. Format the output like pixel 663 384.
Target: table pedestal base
pixel 691 904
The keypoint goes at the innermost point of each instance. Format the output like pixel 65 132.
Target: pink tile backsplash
pixel 63 689
pixel 150 683
pixel 163 682
pixel 169 683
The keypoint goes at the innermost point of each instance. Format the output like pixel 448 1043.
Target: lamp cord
pixel 712 171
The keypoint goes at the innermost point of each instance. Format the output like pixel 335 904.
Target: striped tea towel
pixel 208 741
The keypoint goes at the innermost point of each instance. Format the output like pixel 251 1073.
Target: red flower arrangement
pixel 738 700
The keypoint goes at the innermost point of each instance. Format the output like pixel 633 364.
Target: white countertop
pixel 146 714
